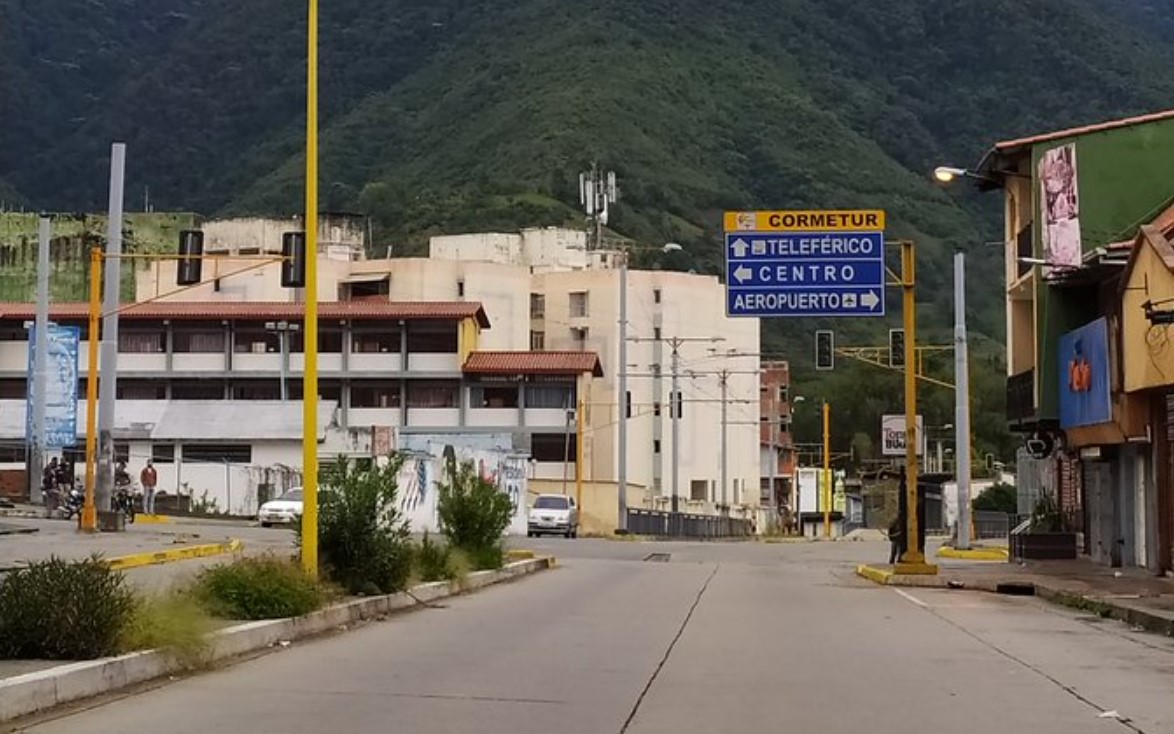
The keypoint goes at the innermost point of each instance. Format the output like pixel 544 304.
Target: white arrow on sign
pixel 743 273
pixel 740 246
pixel 870 300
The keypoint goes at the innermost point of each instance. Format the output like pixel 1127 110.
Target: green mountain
pixel 456 115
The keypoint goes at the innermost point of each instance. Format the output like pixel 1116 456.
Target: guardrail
pixel 683 525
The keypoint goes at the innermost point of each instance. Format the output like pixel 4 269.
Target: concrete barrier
pixel 42 690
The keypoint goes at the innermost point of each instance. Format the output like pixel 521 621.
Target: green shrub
pixel 257 588
pixel 363 541
pixel 432 561
pixel 63 610
pixel 998 498
pixel 473 514
pixel 175 623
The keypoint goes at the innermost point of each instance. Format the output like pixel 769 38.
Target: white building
pixel 542 290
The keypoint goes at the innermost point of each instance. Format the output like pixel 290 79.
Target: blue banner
pixel 1085 397
pixel 60 385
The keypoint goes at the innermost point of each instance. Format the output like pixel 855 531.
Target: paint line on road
pixel 912 598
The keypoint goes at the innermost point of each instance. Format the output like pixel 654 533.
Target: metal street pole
pixel 108 385
pixel 310 378
pixel 40 363
pixel 677 404
pixel 725 380
pixel 827 470
pixel 622 473
pixel 774 461
pixel 961 402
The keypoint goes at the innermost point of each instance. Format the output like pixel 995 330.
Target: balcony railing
pixel 1021 396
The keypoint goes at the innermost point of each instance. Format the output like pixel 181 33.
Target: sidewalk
pixel 1129 594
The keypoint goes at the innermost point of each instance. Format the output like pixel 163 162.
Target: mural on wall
pixel 1085 397
pixel 1060 207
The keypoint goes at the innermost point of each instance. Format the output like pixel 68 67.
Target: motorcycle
pixel 124 501
pixel 71 503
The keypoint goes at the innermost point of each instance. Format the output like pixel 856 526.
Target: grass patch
pixel 175 623
pixel 257 588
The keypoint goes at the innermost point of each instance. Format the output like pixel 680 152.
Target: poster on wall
pixel 1060 207
pixel 1085 397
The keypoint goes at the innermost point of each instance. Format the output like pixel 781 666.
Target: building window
pixel 197 390
pixel 140 390
pixel 218 453
pixel 12 454
pixel 550 395
pixel 699 490
pixel 460 289
pixel 432 394
pixel 656 295
pixel 656 409
pixel 329 341
pixel 163 453
pixel 579 334
pixel 378 342
pixel 537 341
pixel 121 452
pixel 553 447
pixel 255 341
pixel 537 306
pixel 256 390
pixel 375 395
pixel 656 445
pixel 782 393
pixel 205 341
pixel 15 389
pixel 579 305
pixel 433 339
pixel 493 396
pixel 141 342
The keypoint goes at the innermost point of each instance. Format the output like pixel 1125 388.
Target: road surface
pixel 714 638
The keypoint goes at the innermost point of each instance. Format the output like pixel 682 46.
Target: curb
pixel 151 558
pixel 519 554
pixel 27 694
pixel 153 519
pixel 974 554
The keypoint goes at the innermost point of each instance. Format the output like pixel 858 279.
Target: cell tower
pixel 597 192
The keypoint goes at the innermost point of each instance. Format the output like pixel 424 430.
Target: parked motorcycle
pixel 124 501
pixel 71 504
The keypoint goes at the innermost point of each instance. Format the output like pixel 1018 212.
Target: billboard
pixel 1059 200
pixel 893 435
pixel 60 385
pixel 1085 397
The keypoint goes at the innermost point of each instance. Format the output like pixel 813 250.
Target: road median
pixel 42 690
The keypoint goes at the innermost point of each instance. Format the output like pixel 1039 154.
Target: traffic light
pixel 897 348
pixel 825 350
pixel 191 249
pixel 293 264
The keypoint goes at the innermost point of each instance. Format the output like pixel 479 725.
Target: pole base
pixel 111 522
pixel 88 520
pixel 915 569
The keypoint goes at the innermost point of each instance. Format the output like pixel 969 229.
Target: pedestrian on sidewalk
pixel 896 539
pixel 149 479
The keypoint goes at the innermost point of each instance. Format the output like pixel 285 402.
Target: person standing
pixel 148 478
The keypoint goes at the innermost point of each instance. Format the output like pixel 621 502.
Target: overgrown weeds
pixel 266 587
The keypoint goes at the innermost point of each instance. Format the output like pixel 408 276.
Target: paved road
pixel 720 637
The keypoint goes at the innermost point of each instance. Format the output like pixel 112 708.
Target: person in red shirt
pixel 149 479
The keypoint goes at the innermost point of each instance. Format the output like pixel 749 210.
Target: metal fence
pixel 989 525
pixel 682 525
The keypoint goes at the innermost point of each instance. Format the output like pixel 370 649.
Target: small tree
pixel 363 540
pixel 997 498
pixel 473 513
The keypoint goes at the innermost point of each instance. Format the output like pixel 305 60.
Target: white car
pixel 285 510
pixel 555 514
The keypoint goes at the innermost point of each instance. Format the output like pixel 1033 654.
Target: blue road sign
pixel 812 274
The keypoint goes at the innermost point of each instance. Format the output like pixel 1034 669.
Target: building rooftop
pixel 249 310
pixel 1010 145
pixel 533 363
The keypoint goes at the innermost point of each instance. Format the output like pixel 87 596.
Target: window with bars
pixel 141 342
pixel 199 342
pixel 579 304
pixel 375 395
pixel 432 394
pixel 553 447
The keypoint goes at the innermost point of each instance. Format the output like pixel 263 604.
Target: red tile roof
pixel 533 363
pixel 257 311
pixel 1007 145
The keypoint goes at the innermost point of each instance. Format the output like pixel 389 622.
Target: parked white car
pixel 285 510
pixel 555 514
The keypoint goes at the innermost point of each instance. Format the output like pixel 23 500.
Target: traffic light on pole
pixel 825 350
pixel 293 263
pixel 897 348
pixel 191 249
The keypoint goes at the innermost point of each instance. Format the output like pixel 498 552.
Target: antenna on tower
pixel 597 191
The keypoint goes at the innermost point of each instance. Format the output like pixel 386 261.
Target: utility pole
pixel 677 403
pixel 961 402
pixel 827 470
pixel 40 343
pixel 725 381
pixel 622 474
pixel 109 356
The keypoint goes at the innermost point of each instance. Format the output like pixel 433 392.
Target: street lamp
pixel 283 329
pixel 947 174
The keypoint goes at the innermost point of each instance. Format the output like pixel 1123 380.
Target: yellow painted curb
pixel 153 519
pixel 137 560
pixel 872 573
pixel 975 554
pixel 519 554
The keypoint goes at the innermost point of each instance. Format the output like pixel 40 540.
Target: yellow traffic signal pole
pixel 913 560
pixel 827 470
pixel 89 516
pixel 310 378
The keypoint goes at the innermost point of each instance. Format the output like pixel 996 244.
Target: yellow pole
pixel 310 377
pixel 89 518
pixel 913 555
pixel 580 420
pixel 827 470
